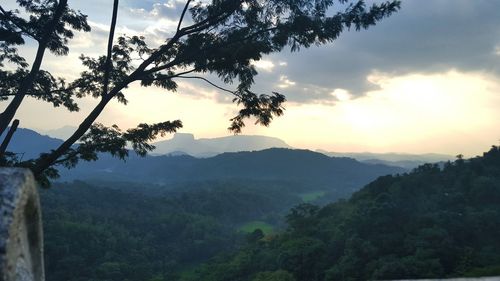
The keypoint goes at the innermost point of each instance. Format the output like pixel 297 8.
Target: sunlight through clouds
pixel 341 95
pixel 405 85
pixel 265 65
pixel 404 115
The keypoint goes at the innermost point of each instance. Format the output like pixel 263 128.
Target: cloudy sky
pixel 426 79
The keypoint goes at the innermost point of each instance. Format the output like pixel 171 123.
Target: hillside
pixel 302 170
pixel 403 160
pixel 313 171
pixel 432 223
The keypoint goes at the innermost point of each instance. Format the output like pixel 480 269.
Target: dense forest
pixel 433 222
pixel 126 231
pixel 436 221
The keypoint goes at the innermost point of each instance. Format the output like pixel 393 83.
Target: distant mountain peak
pixel 60 133
pixel 207 147
pixel 183 136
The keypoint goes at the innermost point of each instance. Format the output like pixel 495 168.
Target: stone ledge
pixel 21 235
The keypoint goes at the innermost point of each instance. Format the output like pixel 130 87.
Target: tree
pixel 222 37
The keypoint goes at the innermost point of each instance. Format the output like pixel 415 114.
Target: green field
pixel 253 225
pixel 311 196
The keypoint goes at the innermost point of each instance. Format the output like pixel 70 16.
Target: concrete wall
pixel 21 236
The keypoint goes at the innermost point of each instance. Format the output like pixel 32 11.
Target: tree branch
pixel 48 160
pixel 109 64
pixel 8 137
pixel 163 67
pixel 178 34
pixel 27 84
pixel 199 25
pixel 44 162
pixel 211 83
pixel 46 93
pixel 181 73
pixel 17 24
pixel 176 61
pixel 182 15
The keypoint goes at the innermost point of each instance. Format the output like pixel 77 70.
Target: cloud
pixel 284 82
pixel 169 9
pixel 422 37
pixel 341 95
pixel 265 65
pixel 451 112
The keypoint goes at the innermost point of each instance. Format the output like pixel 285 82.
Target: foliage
pixel 434 222
pixel 149 232
pixel 221 38
pixel 279 275
pixel 132 237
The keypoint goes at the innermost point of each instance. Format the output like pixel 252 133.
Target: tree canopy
pixel 437 221
pixel 218 37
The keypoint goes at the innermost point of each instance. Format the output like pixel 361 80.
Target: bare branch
pixel 208 22
pixel 8 137
pixel 182 15
pixel 181 73
pixel 109 65
pixel 211 83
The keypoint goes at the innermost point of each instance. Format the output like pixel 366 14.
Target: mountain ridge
pixel 301 170
pixel 207 147
pixel 405 160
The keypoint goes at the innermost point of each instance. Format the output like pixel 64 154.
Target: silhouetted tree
pixel 222 37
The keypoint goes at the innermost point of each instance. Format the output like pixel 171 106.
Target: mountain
pixel 404 160
pixel 305 169
pixel 32 143
pixel 300 169
pixel 205 147
pixel 29 144
pixel 60 133
pixel 184 143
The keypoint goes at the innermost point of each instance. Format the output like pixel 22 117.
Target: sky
pixel 427 79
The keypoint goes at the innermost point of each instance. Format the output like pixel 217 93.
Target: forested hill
pixel 303 166
pixel 433 222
